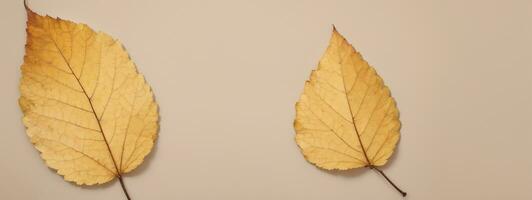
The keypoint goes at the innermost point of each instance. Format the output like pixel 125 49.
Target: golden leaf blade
pixel 87 110
pixel 346 117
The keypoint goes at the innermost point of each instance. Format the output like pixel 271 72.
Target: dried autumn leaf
pixel 86 108
pixel 346 117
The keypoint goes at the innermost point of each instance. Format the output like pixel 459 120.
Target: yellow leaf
pixel 86 108
pixel 346 117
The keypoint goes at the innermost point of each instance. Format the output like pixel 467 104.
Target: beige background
pixel 227 75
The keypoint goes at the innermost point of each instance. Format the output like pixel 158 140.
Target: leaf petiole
pixel 389 181
pixel 124 187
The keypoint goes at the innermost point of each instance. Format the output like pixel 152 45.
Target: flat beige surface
pixel 227 75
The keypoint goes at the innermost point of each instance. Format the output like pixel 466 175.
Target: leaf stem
pixel 389 181
pixel 124 187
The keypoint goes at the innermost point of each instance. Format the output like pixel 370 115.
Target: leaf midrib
pixel 351 110
pixel 118 174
